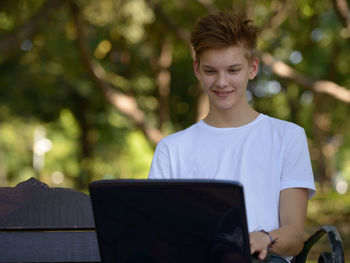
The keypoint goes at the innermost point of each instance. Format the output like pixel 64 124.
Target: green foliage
pixel 45 82
pixel 329 208
pixel 16 147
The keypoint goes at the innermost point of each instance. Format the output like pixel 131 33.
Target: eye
pixel 209 71
pixel 233 70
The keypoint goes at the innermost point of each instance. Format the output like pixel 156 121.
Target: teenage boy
pixel 234 142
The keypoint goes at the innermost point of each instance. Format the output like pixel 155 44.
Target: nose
pixel 221 80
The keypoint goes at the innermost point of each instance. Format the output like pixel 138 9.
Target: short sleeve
pixel 160 167
pixel 297 169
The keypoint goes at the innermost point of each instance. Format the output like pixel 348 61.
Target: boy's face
pixel 224 75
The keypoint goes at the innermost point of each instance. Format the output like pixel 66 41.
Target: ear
pixel 196 69
pixel 254 67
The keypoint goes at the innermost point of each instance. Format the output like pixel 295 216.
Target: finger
pixel 252 247
pixel 263 254
pixel 253 250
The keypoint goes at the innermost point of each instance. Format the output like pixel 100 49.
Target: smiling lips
pixel 222 94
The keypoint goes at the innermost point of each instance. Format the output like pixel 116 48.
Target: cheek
pixel 242 80
pixel 207 82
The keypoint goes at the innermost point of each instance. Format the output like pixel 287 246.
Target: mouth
pixel 222 94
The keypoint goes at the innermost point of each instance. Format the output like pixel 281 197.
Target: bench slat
pixel 55 246
pixel 43 224
pixel 32 204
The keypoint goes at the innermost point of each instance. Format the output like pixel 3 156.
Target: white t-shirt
pixel 265 156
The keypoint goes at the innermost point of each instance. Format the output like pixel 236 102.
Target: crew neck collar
pixel 253 122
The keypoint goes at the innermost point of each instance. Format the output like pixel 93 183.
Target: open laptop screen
pixel 170 221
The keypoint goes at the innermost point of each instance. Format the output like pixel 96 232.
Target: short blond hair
pixel 221 30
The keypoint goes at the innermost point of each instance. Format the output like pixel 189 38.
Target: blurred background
pixel 87 88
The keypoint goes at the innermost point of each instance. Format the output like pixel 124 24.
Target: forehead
pixel 224 56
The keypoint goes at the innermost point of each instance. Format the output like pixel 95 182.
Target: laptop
pixel 170 221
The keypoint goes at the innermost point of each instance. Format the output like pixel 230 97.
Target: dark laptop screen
pixel 168 221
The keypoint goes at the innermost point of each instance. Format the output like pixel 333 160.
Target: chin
pixel 224 107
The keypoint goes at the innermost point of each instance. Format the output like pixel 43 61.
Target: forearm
pixel 289 240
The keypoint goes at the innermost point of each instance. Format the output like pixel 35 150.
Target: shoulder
pixel 181 137
pixel 281 126
pixel 282 131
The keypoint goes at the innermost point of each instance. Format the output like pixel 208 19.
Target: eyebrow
pixel 230 66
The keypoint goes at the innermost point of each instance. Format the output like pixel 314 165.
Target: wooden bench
pixel 43 224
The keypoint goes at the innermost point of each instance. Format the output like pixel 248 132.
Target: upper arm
pixel 293 207
pixel 297 169
pixel 290 235
pixel 160 167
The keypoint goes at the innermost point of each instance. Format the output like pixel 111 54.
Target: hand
pixel 259 243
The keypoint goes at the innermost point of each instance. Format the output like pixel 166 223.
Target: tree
pixel 122 68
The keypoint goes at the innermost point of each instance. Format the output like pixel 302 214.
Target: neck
pixel 229 118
